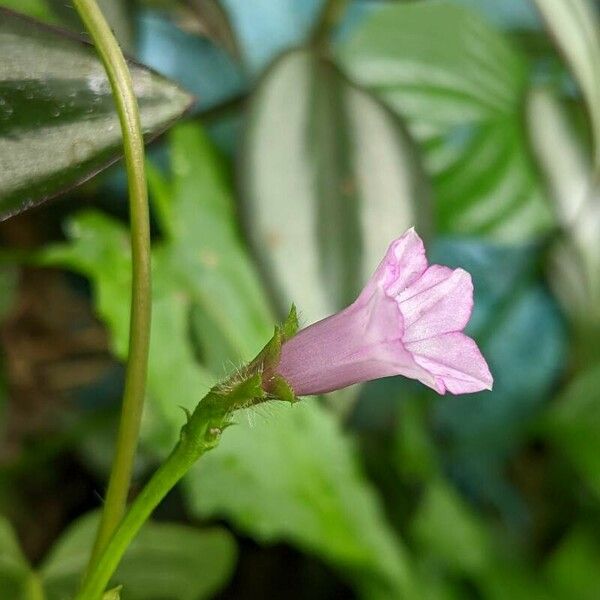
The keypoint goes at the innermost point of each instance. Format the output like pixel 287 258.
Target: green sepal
pixel 256 382
pixel 212 415
pixel 290 326
pixel 242 391
pixel 188 413
pixel 268 358
pixel 280 389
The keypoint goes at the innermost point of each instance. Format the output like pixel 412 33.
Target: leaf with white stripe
pixel 460 86
pixel 58 124
pixel 575 27
pixel 573 188
pixel 329 178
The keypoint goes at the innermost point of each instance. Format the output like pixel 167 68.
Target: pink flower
pixel 408 320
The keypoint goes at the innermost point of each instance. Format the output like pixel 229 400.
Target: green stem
pixel 139 332
pixel 248 387
pixel 33 588
pixel 165 478
pixel 201 433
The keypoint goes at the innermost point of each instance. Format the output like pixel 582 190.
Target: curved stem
pixel 139 331
pixel 201 433
pixel 165 478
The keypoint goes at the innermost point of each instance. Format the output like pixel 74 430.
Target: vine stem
pixel 139 330
pixel 165 478
pixel 201 433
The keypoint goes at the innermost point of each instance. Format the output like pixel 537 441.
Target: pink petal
pixel 455 361
pixel 441 301
pixel 407 262
pixel 403 263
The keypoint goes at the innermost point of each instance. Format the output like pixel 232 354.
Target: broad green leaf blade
pixel 447 530
pixel 166 561
pixel 460 85
pixel 518 581
pixel 205 253
pixel 573 424
pixel 15 572
pixel 200 269
pixel 37 9
pixel 329 179
pixel 58 125
pixel 289 473
pixel 99 249
pixel 575 27
pixel 573 567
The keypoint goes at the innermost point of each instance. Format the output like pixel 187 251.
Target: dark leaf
pixel 58 126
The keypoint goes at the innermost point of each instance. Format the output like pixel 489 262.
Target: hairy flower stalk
pixel 408 320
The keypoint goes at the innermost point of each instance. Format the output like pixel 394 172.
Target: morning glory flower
pixel 408 320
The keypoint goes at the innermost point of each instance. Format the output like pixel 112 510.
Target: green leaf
pixel 15 571
pixel 449 531
pixel 517 580
pixel 288 473
pixel 58 124
pixel 99 249
pixel 204 252
pixel 166 561
pixel 200 264
pixel 329 179
pixel 37 9
pixel 415 455
pixel 460 86
pixel 573 567
pixel 573 424
pixel 575 28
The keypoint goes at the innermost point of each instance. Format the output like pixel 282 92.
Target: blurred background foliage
pixel 314 133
